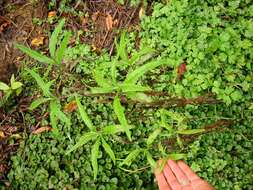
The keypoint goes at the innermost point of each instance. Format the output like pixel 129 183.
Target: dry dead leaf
pixel 84 21
pixel 51 14
pixel 95 49
pixel 70 107
pixel 2 135
pixel 109 22
pixel 38 41
pixel 4 26
pixel 41 130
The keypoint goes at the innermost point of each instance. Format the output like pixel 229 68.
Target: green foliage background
pixel 215 41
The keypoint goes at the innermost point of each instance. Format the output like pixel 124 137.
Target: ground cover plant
pixel 184 91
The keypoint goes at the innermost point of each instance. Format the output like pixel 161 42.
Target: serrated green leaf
pixel 176 156
pixel 135 75
pixel 190 131
pixel 83 140
pixel 43 86
pixel 84 115
pixel 34 54
pixel 54 38
pixel 36 103
pixel 150 160
pixel 62 48
pixel 112 129
pixel 130 158
pixel 94 158
pixel 119 111
pixel 108 150
pixel 153 136
pixel 4 86
pixel 134 88
pixel 63 118
pixel 53 117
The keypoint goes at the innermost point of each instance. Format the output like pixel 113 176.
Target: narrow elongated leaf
pixel 150 160
pixel 176 156
pixel 63 118
pixel 54 38
pixel 84 115
pixel 145 54
pixel 121 47
pixel 4 87
pixel 179 142
pixel 119 111
pixel 135 75
pixel 94 158
pixel 36 103
pixel 102 90
pixel 83 140
pixel 112 129
pixel 62 48
pixel 191 131
pixel 34 54
pixel 134 88
pixel 130 158
pixel 108 150
pixel 12 79
pixel 153 136
pixel 53 117
pixel 113 72
pixel 43 86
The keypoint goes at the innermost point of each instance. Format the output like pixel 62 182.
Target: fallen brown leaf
pixel 41 130
pixel 109 22
pixel 2 135
pixel 51 14
pixel 38 41
pixel 70 107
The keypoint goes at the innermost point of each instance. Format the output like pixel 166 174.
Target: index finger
pixel 162 183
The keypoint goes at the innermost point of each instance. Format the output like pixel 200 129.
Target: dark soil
pixel 15 27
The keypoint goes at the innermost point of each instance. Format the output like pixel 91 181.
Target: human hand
pixel 179 176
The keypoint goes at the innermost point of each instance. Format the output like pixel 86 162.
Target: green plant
pixel 97 136
pixel 54 103
pixel 131 83
pixel 14 88
pixel 57 48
